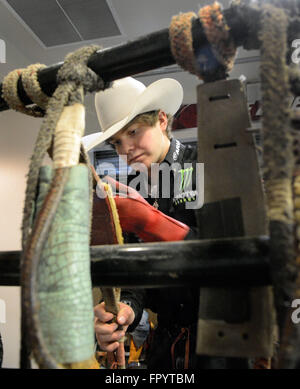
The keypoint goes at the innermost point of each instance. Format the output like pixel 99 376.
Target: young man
pixel 136 121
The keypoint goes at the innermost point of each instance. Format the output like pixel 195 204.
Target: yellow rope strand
pixel 115 214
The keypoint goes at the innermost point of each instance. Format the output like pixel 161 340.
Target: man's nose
pixel 127 146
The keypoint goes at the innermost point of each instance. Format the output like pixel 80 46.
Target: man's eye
pixel 116 143
pixel 132 132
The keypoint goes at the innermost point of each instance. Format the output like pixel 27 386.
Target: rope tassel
pixel 68 133
pixel 57 309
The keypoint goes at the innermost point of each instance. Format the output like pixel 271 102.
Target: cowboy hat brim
pixel 165 94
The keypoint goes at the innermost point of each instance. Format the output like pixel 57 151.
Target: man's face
pixel 143 144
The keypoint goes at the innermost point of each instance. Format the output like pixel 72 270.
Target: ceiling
pixel 45 31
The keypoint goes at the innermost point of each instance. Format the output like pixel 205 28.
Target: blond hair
pixel 151 118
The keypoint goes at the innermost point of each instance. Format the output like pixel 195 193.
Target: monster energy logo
pixel 185 196
pixel 186 178
pixel 189 186
pixel 184 192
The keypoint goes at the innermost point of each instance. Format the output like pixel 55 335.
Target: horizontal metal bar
pixel 211 263
pixel 177 69
pixel 146 53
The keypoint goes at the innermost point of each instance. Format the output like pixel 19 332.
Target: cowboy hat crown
pixel 127 98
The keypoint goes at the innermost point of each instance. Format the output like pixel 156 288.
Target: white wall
pixel 10 328
pixel 17 137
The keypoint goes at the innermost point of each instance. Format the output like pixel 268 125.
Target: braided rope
pixel 294 76
pixel 278 155
pixel 296 195
pixel 278 163
pixel 181 41
pixel 289 351
pixel 218 35
pixel 42 144
pixel 296 192
pixel 74 79
pixel 32 87
pixel 10 95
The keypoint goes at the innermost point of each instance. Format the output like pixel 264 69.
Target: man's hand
pixel 107 333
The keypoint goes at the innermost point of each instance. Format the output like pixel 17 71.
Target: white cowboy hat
pixel 127 98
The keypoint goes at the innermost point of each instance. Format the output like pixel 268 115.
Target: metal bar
pixel 143 54
pixel 177 69
pixel 146 53
pixel 221 262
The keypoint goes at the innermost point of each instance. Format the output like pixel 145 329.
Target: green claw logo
pixel 186 177
pixel 189 186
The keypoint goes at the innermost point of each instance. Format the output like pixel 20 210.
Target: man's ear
pixel 163 120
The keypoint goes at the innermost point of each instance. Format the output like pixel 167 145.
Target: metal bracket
pixel 233 193
pixel 233 322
